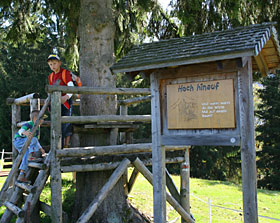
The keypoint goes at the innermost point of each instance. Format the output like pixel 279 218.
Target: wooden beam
pixel 105 118
pixel 149 176
pixel 134 100
pixel 16 210
pixel 195 140
pixel 111 150
pixel 84 218
pixel 263 67
pixel 30 188
pixel 22 100
pixel 98 90
pixel 110 166
pixel 248 152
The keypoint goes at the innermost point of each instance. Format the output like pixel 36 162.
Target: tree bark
pixel 96 32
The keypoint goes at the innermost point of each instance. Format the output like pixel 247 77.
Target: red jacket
pixel 58 76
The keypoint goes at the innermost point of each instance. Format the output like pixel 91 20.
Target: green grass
pixel 223 194
pixel 220 193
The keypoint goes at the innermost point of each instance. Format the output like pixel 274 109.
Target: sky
pixel 164 3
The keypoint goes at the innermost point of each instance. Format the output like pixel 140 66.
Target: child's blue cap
pixel 53 57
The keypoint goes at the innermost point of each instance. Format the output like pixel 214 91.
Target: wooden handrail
pixel 105 118
pixel 22 100
pixel 98 90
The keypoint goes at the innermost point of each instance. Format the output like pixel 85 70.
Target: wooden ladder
pixel 33 190
pixel 19 187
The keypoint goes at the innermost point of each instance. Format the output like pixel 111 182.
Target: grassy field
pixel 222 194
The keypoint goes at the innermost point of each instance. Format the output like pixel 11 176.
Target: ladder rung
pixel 40 166
pixel 30 188
pixel 15 209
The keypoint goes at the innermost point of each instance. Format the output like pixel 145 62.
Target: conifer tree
pixel 268 131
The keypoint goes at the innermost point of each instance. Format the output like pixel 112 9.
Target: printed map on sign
pixel 201 105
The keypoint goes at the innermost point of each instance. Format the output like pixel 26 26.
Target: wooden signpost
pixel 201 89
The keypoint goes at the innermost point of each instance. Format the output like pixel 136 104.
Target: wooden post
pixel 185 183
pixel 158 153
pixel 104 191
pixel 2 160
pixel 34 104
pixel 16 117
pixel 248 153
pixel 123 139
pixel 55 164
pixel 123 111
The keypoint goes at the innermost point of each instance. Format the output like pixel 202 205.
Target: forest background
pixel 32 29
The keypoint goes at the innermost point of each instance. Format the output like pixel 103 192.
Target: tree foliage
pixel 268 133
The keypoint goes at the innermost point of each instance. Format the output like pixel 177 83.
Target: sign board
pixel 201 105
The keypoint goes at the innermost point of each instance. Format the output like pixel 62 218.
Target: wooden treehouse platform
pixel 85 159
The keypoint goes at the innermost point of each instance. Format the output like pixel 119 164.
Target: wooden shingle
pixel 259 41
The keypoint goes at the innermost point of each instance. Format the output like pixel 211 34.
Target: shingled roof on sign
pixel 259 41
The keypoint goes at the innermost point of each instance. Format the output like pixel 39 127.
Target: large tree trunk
pixel 96 32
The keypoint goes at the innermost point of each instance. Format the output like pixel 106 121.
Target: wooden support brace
pixel 149 176
pixel 261 64
pixel 104 191
pixel 172 187
pixel 132 179
pixel 16 210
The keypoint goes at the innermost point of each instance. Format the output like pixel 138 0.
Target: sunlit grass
pixel 224 194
